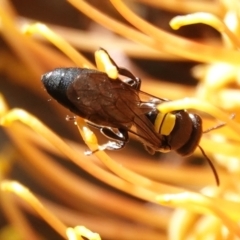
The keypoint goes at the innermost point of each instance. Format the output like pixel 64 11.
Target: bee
pixel 118 106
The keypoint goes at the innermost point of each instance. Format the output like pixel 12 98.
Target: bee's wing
pixel 112 103
pixel 102 100
pixel 136 108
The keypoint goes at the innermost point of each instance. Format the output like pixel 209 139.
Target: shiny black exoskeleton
pixel 118 106
pixel 108 103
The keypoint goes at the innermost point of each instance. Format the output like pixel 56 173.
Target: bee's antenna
pixel 110 145
pixel 214 127
pixel 211 165
pixel 232 116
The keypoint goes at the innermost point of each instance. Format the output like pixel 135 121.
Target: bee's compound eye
pixel 196 134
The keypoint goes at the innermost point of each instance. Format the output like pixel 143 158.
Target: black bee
pixel 118 106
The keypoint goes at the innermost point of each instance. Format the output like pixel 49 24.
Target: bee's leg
pixel 110 145
pixel 133 82
pixel 105 60
pixel 120 135
pixel 94 125
pixel 149 149
pixel 117 134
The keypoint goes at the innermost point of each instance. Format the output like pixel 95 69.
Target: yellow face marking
pixel 165 123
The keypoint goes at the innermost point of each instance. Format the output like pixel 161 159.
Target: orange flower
pixel 123 195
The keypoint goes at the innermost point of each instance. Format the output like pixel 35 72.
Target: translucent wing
pixel 112 103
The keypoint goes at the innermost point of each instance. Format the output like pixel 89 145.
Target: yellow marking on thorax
pixel 165 123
